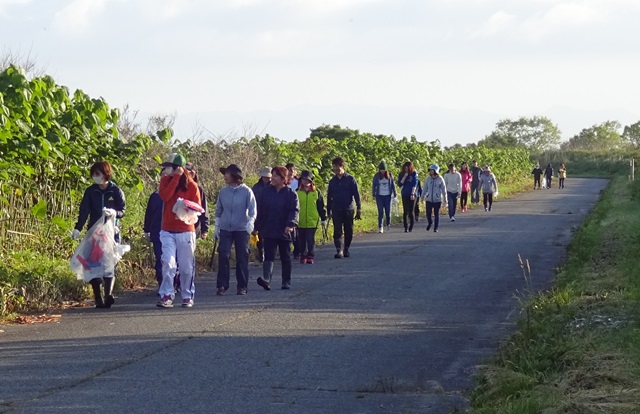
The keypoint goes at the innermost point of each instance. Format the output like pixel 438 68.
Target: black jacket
pixel 342 193
pixel 202 225
pixel 537 173
pixel 277 210
pixel 95 198
pixel 153 217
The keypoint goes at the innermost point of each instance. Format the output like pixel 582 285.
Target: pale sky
pixel 437 69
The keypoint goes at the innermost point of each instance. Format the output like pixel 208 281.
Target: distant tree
pixel 631 134
pixel 535 134
pixel 604 136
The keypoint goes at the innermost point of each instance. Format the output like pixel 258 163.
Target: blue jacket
pixel 153 217
pixel 410 185
pixel 95 199
pixel 342 193
pixel 277 210
pixel 375 185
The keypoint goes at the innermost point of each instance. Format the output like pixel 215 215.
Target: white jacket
pixel 434 190
pixel 453 181
pixel 488 183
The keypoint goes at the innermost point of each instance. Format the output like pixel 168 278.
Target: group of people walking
pixel 281 209
pixel 436 190
pixel 538 174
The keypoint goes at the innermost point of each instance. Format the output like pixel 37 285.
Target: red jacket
pixel 466 180
pixel 168 194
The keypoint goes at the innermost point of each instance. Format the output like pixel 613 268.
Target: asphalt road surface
pixel 399 327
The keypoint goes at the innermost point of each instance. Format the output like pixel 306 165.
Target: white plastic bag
pixel 395 206
pixel 187 211
pixel 98 252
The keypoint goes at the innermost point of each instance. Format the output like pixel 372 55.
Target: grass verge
pixel 577 346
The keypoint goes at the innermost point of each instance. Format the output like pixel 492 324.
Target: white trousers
pixel 178 249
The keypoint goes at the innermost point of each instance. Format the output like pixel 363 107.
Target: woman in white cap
pixel 489 187
pixel 435 192
pixel 178 237
pixel 235 215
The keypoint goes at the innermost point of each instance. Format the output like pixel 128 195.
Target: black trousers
pixel 408 210
pixel 307 242
pixel 343 219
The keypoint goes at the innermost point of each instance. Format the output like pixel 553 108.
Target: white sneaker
pixel 381 230
pixel 453 219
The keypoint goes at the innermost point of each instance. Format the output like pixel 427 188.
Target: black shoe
pixel 286 286
pixel 338 255
pixel 428 226
pixel 265 285
pixel 346 253
pixel 108 301
pixel 435 231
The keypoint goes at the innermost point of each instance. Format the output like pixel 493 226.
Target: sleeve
pixel 320 206
pixel 414 189
pixel 83 214
pixel 120 203
pixel 443 189
pixel 459 178
pixel 373 186
pixel 204 217
pixel 392 184
pixel 147 216
pixel 329 197
pixel 495 182
pixel 257 225
pixel 252 209
pixel 168 185
pixel 294 210
pixel 356 193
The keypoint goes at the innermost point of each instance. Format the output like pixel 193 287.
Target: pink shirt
pixel 466 180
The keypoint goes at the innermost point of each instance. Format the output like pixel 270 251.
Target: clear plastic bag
pixel 187 211
pixel 98 252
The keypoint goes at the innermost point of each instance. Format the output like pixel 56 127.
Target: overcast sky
pixel 437 69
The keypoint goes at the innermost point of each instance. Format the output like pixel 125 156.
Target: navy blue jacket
pixel 94 199
pixel 277 210
pixel 342 193
pixel 153 217
pixel 410 186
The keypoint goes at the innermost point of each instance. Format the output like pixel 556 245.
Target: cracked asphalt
pixel 399 327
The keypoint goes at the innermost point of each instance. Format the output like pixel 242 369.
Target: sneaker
pixel 453 219
pixel 486 209
pixel 221 291
pixel 489 208
pixel 346 253
pixel 435 231
pixel 338 255
pixel 165 302
pixel 242 291
pixel 381 230
pixel 286 286
pixel 303 259
pixel 310 260
pixel 428 226
pixel 265 285
pixel 187 303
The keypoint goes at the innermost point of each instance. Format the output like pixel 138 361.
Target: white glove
pixel 323 223
pixel 249 227
pixel 108 212
pixel 147 237
pixel 495 195
pixel 216 232
pixel 75 234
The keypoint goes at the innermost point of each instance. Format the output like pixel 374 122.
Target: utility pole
pixel 632 164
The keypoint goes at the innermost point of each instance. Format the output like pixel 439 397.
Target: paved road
pixel 397 328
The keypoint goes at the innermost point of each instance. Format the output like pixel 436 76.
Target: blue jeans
pixel 435 208
pixel 452 199
pixel 241 241
pixel 384 208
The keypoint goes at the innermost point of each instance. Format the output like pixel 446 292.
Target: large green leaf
pixel 40 210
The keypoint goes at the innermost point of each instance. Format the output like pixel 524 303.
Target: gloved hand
pixel 75 234
pixel 147 237
pixel 358 215
pixel 249 227
pixel 323 223
pixel 108 212
pixel 216 232
pixel 495 195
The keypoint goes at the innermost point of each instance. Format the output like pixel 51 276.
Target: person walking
pixel 151 228
pixel 562 174
pixel 417 203
pixel 475 182
pixel 383 189
pixel 275 224
pixel 178 237
pixel 489 186
pixel 466 177
pixel 312 212
pixel 342 194
pixel 408 183
pixel 435 193
pixel 102 199
pixel 548 174
pixel 236 213
pixel 453 182
pixel 263 182
pixel 202 225
pixel 294 184
pixel 537 174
